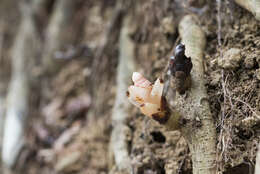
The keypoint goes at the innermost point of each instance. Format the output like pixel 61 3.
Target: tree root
pixel 257 163
pixel 56 33
pixel 121 133
pixel 3 86
pixel 191 111
pixel 250 121
pixel 25 50
pixel 251 5
pixel 200 131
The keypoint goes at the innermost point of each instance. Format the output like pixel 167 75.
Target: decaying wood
pixel 56 35
pixel 195 118
pixel 251 5
pixel 121 132
pixel 24 52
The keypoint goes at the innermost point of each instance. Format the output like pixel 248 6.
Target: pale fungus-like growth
pixel 148 96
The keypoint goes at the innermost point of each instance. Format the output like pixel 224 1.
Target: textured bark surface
pixel 23 56
pixel 197 123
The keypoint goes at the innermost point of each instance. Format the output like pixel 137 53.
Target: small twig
pixel 249 122
pixel 2 86
pixel 251 109
pixel 222 145
pixel 227 94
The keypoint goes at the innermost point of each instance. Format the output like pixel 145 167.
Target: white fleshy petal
pixel 145 95
pixel 149 109
pixel 138 94
pixel 156 93
pixel 140 81
pixel 136 76
pixel 134 102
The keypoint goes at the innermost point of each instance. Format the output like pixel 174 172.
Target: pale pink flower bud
pixel 140 81
pixel 145 95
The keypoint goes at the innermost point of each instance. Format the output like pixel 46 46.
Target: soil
pixel 71 128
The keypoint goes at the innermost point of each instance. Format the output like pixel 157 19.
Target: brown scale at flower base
pixel 180 68
pixel 148 97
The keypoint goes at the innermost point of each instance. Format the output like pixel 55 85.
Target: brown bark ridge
pixel 251 5
pixel 195 118
pixel 25 50
pixel 121 134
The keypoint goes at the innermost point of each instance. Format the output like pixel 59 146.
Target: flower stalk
pixel 190 113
